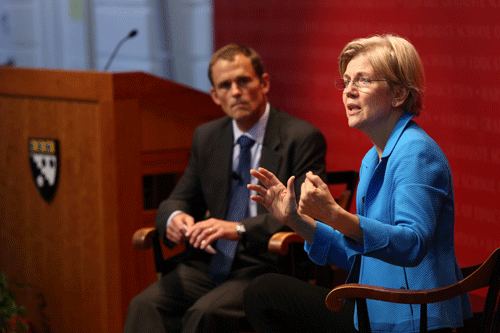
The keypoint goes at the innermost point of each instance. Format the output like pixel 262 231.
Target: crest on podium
pixel 44 161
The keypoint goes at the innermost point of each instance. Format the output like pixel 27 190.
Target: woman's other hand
pixel 316 199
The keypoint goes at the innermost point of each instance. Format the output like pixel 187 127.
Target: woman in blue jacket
pixel 402 234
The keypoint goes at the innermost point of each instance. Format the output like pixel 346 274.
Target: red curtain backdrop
pixel 459 42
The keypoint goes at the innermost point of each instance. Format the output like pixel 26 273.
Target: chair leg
pixel 423 318
pixel 158 255
pixel 491 300
pixel 496 321
pixel 363 318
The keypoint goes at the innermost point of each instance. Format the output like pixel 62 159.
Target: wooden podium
pixel 112 130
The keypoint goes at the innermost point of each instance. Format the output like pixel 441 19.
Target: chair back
pixel 299 263
pixel 350 179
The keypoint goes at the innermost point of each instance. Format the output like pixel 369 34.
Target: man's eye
pixel 243 81
pixel 225 85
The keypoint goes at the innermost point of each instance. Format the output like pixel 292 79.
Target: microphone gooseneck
pixel 115 51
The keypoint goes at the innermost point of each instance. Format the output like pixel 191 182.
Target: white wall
pixel 174 37
pixel 20 36
pixel 191 37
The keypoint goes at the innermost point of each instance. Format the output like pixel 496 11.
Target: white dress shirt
pixel 256 133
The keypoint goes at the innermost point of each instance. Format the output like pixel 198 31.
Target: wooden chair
pixel 479 276
pixel 290 244
pixel 166 259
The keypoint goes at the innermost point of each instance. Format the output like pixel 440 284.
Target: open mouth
pixel 353 108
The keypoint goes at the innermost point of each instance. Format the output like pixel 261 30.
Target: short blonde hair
pixel 396 60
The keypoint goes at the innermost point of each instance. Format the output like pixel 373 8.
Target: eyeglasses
pixel 359 82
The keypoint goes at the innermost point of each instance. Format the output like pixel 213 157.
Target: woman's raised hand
pixel 278 199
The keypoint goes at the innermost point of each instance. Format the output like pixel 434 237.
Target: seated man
pixel 210 206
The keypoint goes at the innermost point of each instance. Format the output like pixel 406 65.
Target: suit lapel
pixel 269 158
pixel 223 172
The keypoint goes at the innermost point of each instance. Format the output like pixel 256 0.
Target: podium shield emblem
pixel 44 161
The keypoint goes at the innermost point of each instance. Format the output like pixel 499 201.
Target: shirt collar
pixel 257 131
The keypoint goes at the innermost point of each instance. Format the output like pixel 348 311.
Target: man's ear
pixel 266 82
pixel 400 96
pixel 214 96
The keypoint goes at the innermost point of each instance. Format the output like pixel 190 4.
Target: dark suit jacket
pixel 291 147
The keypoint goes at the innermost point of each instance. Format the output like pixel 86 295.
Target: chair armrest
pixel 279 241
pixel 480 278
pixel 143 238
pixel 335 298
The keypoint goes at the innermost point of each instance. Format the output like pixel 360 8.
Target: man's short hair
pixel 229 51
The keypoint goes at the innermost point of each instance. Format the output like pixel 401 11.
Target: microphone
pixel 130 35
pixel 237 177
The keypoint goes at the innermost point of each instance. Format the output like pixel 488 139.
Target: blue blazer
pixel 406 210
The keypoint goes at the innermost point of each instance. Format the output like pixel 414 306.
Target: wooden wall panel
pixel 77 249
pixel 56 245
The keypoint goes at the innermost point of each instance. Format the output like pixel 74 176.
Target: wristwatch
pixel 241 229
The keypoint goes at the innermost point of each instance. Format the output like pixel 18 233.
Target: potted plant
pixel 11 315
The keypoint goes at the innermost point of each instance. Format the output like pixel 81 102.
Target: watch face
pixel 240 228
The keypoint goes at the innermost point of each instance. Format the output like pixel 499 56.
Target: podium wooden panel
pixel 113 128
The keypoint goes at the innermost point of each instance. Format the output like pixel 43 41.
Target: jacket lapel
pixel 270 159
pixel 223 174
